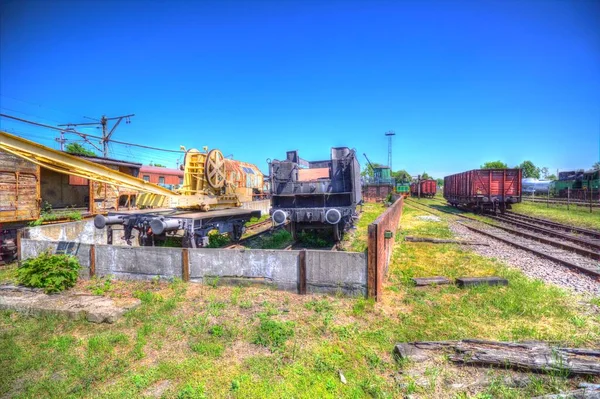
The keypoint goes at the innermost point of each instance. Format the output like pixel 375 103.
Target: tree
pixel 158 165
pixel 551 177
pixel 78 149
pixel 596 166
pixel 494 165
pixel 544 171
pixel 425 176
pixel 401 176
pixel 530 170
pixel 440 181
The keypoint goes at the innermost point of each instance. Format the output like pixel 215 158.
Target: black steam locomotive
pixel 318 194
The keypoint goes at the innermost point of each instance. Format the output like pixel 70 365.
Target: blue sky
pixel 460 82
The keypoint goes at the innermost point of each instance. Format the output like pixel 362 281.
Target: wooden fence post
pixel 372 261
pixel 92 260
pixel 302 272
pixel 19 236
pixel 185 264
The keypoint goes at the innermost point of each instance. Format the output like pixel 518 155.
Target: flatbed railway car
pixel 428 188
pixel 317 194
pixel 484 189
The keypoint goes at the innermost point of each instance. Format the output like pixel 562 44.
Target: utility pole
pixel 61 140
pixel 106 135
pixel 389 135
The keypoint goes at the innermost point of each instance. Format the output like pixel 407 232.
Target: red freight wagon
pixel 428 188
pixel 484 189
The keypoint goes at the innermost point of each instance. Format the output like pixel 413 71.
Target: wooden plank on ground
pixel 532 356
pixel 425 281
pixel 473 281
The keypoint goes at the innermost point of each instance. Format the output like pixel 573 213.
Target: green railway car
pixel 403 189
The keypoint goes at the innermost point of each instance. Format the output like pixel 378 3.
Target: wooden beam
pixel 533 356
pixel 92 260
pixel 302 272
pixel 185 264
pixel 372 261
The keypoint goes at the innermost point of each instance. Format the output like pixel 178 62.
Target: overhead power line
pixel 84 135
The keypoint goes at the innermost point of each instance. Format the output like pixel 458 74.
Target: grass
pixel 56 215
pixel 575 215
pixel 253 342
pixel 357 241
pixel 254 221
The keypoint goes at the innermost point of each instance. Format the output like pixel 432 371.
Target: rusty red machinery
pixel 424 188
pixel 484 189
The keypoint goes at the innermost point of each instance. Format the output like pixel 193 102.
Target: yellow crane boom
pixel 152 195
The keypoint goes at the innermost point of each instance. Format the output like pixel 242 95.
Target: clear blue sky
pixel 461 82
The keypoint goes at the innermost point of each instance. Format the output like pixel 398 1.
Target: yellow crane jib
pixel 204 176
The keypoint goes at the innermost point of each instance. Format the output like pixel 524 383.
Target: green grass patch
pixel 575 215
pixel 358 240
pixel 277 240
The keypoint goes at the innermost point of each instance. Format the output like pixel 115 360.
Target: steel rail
pixel 557 244
pixel 593 233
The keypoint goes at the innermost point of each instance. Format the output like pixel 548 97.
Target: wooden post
pixel 19 236
pixel 92 260
pixel 372 261
pixel 185 265
pixel 302 272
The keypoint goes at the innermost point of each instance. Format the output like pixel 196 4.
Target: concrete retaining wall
pixel 82 231
pixel 138 263
pixel 263 206
pixel 326 272
pixel 279 268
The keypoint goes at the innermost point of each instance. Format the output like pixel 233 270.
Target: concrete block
pixel 82 231
pixel 473 281
pixel 425 281
pixel 332 271
pixel 277 267
pixel 138 263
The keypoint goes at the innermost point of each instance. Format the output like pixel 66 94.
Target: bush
pixel 53 273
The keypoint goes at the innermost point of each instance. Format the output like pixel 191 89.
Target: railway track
pixel 573 256
pixel 595 203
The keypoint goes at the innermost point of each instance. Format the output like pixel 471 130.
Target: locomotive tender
pixel 317 194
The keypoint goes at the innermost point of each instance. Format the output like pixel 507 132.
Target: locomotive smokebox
pixel 333 216
pixel 101 221
pixel 160 226
pixel 279 217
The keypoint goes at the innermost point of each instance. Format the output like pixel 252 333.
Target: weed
pixel 216 240
pixel 273 334
pixel 190 391
pixel 53 273
pixel 278 239
pixel 362 306
pixel 319 306
pixel 208 348
pixel 101 286
pixel 245 304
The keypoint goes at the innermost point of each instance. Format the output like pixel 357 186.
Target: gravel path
pixel 531 265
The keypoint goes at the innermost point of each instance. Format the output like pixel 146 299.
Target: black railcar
pixel 318 194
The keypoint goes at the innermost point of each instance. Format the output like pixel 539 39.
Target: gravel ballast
pixel 530 264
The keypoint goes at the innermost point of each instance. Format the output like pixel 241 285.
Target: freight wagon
pixel 484 189
pixel 423 188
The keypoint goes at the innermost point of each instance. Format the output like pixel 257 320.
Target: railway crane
pixel 205 202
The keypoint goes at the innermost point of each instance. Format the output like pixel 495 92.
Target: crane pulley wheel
pixel 214 169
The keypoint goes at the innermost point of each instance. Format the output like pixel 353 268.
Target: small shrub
pixel 53 273
pixel 216 240
pixel 319 306
pixel 100 286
